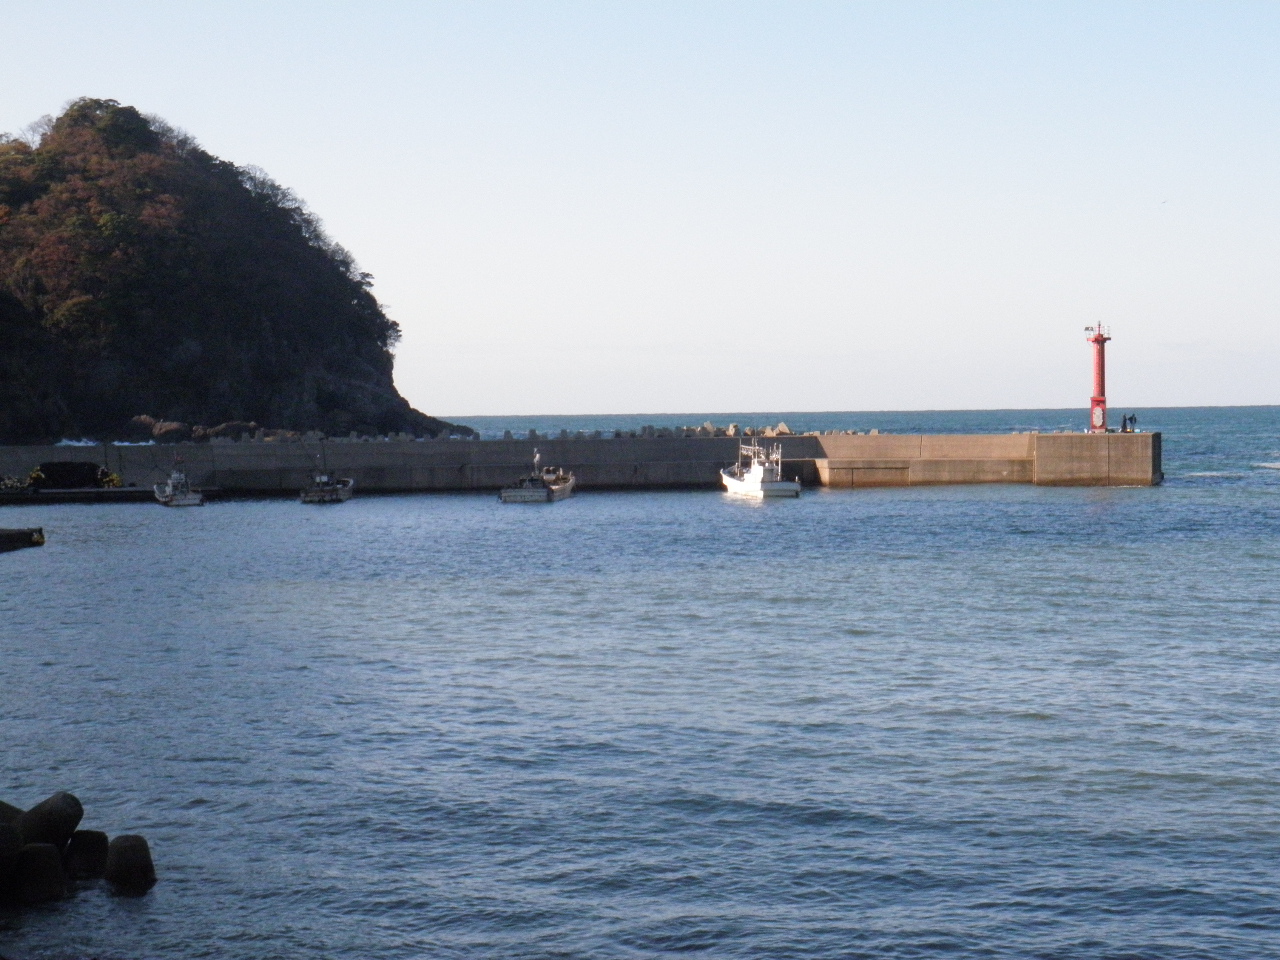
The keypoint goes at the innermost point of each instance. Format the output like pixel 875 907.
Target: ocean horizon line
pixel 461 418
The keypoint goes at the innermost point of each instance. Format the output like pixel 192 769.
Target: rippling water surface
pixel 958 721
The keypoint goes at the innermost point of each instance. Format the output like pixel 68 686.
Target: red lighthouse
pixel 1098 402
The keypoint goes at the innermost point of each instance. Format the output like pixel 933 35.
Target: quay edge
pixel 864 460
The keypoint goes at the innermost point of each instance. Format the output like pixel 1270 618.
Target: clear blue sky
pixel 649 207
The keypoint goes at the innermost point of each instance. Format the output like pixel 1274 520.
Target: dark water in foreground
pixel 948 722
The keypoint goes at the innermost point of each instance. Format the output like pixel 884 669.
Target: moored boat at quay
pixel 541 486
pixel 177 491
pixel 328 489
pixel 758 473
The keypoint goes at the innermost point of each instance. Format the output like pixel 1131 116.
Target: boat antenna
pixel 537 458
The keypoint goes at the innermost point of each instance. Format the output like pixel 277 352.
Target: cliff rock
pixel 139 274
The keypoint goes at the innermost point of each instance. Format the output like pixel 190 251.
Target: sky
pixel 625 207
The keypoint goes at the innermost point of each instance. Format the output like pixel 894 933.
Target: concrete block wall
pixel 412 465
pixel 1110 459
pixel 878 461
pixel 642 463
pixel 1103 459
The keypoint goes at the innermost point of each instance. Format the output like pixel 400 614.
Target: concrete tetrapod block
pixel 53 820
pixel 10 847
pixel 9 813
pixel 129 866
pixel 40 874
pixel 86 856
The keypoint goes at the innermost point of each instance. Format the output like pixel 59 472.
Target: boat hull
pixel 339 493
pixel 758 489
pixel 548 493
pixel 178 492
pixel 325 496
pixel 192 499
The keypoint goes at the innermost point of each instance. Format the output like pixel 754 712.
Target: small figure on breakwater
pixel 43 854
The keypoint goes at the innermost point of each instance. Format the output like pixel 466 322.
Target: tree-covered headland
pixel 140 275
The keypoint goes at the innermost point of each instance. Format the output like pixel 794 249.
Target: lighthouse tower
pixel 1098 402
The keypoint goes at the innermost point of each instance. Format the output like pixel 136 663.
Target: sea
pixel 978 721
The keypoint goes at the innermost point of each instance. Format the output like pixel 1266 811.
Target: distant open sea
pixel 987 721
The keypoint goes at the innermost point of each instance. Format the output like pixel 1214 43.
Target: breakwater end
pixel 687 462
pixel 21 538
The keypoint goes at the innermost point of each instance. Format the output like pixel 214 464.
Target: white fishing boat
pixel 177 492
pixel 541 486
pixel 758 473
pixel 328 489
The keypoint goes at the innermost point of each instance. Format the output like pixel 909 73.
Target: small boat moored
pixel 328 489
pixel 758 473
pixel 541 486
pixel 177 492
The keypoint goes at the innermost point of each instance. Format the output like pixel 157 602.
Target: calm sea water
pixel 946 722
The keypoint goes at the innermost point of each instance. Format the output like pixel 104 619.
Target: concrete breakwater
pixel 863 460
pixel 21 538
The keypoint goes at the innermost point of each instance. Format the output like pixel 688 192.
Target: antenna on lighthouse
pixel 1098 402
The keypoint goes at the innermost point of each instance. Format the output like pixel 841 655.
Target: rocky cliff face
pixel 141 275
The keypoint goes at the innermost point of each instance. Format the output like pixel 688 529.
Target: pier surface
pixel 864 460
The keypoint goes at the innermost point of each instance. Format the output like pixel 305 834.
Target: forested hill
pixel 140 275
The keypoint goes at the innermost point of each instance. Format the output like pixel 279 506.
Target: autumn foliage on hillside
pixel 141 275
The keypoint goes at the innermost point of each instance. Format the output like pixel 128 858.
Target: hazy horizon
pixel 458 417
pixel 688 206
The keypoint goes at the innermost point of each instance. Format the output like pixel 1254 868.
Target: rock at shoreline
pixel 171 431
pixel 51 821
pixel 86 856
pixel 232 430
pixel 129 866
pixel 138 272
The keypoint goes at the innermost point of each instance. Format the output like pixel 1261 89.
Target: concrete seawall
pixel 1051 459
pixel 632 462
